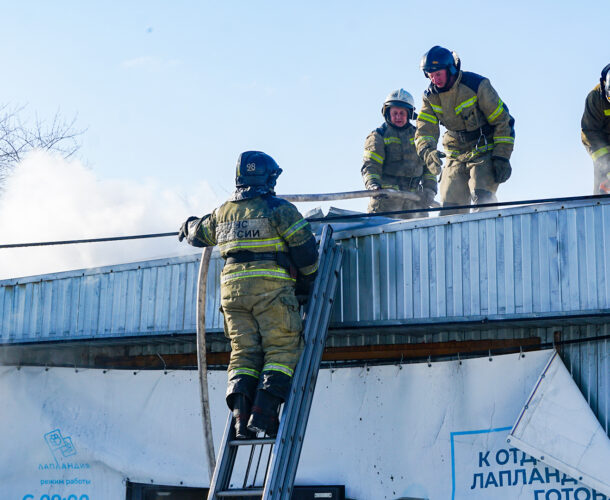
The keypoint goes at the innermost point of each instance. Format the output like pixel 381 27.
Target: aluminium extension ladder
pixel 282 459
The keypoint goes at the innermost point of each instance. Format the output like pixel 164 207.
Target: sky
pixel 171 92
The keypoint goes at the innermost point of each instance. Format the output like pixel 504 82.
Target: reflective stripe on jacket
pixel 467 106
pixel 390 152
pixel 261 224
pixel 595 124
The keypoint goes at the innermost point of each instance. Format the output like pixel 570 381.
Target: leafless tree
pixel 19 136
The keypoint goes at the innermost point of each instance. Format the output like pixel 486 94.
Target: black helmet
pixel 440 58
pixel 255 168
pixel 605 82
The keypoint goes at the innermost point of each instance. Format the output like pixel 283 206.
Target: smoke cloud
pixel 48 198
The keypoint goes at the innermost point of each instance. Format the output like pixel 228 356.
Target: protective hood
pixel 245 193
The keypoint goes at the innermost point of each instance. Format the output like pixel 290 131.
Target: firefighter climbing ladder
pixel 282 458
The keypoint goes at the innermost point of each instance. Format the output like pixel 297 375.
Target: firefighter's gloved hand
pixel 502 169
pixel 427 196
pixel 432 157
pixel 372 185
pixel 303 287
pixel 184 228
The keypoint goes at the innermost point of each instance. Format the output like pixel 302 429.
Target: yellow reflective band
pixel 244 371
pixel 278 273
pixel 510 140
pixel 437 109
pixel 306 271
pixel 294 228
pixel 607 112
pixel 453 153
pixel 465 104
pixel 276 367
pixel 275 243
pixel 426 117
pixel 373 156
pixel 425 138
pixel 206 236
pixel 369 177
pixel 390 186
pixel 497 112
pixel 600 152
pixel 430 176
pixel 412 140
pixel 392 140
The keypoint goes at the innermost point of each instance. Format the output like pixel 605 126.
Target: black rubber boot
pixel 241 414
pixel 481 196
pixel 264 415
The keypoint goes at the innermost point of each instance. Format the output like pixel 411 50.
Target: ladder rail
pixel 286 456
pixel 284 452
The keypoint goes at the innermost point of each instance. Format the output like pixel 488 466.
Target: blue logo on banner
pixel 59 445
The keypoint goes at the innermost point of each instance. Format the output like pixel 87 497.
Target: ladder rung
pixel 244 442
pixel 251 492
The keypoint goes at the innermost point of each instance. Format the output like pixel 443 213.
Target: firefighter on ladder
pixel 480 133
pixel 391 161
pixel 595 131
pixel 271 258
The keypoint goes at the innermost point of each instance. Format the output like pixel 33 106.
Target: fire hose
pixel 348 195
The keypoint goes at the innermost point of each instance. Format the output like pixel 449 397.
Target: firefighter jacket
pixel 595 125
pixel 476 119
pixel 389 152
pixel 260 238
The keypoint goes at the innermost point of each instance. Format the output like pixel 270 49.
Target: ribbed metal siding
pixel 528 262
pixel 156 297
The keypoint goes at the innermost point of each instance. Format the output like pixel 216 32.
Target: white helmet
pixel 400 98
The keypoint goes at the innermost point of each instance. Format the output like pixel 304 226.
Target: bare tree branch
pixel 18 137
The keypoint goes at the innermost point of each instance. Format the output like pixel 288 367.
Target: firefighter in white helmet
pixel 391 160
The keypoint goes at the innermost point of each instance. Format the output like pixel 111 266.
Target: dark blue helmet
pixel 438 58
pixel 605 82
pixel 255 168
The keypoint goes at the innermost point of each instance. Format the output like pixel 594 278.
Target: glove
pixel 303 287
pixel 184 228
pixel 427 196
pixel 502 169
pixel 372 185
pixel 432 157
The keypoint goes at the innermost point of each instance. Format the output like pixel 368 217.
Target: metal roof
pixel 528 263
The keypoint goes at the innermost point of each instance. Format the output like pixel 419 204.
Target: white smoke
pixel 48 198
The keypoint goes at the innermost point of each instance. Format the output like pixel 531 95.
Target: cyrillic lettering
pixel 536 493
pixel 523 477
pixel 548 474
pixel 598 496
pixel 586 491
pixel 483 459
pixel 505 454
pixel 491 479
pixel 535 476
pixel 567 492
pixel 527 459
pixel 474 481
pixel 556 492
pixel 567 479
pixel 508 483
pixel 514 451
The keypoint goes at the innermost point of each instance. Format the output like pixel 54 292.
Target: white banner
pixel 435 432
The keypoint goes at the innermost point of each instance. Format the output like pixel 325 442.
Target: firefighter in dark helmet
pixel 480 131
pixel 595 131
pixel 269 250
pixel 391 161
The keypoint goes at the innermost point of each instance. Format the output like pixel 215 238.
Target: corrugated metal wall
pixel 530 262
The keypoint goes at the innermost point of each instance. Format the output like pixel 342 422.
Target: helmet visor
pixel 607 86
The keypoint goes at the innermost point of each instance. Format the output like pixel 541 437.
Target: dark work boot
pixel 481 196
pixel 241 414
pixel 264 415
